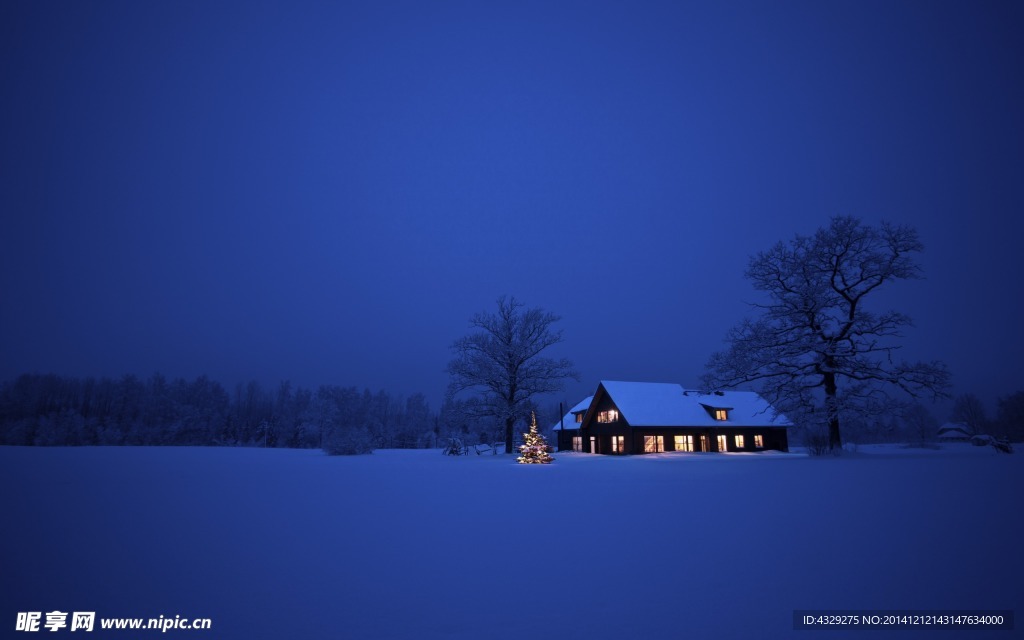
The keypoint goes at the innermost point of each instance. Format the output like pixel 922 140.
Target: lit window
pixel 759 441
pixel 721 414
pixel 577 443
pixel 722 446
pixel 608 416
pixel 579 417
pixel 739 442
pixel 684 443
pixel 618 444
pixel 654 444
pixel 703 443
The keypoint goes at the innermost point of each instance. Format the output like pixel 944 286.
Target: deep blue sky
pixel 326 192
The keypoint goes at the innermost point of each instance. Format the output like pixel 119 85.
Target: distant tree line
pixel 53 410
pixel 1008 422
pixel 913 422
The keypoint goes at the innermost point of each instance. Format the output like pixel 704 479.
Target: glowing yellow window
pixel 721 414
pixel 608 416
pixel 618 444
pixel 759 441
pixel 684 443
pixel 739 441
pixel 654 444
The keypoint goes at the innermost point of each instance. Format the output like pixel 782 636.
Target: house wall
pixel 774 437
pixel 602 432
pixel 565 438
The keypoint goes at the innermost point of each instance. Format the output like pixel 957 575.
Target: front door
pixel 593 444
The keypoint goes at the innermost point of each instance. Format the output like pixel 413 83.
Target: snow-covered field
pixel 412 544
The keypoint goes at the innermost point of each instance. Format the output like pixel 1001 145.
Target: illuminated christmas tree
pixel 535 449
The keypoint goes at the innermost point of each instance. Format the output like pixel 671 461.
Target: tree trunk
pixel 509 423
pixel 835 442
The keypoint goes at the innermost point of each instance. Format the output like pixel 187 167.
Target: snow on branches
pixel 501 363
pixel 816 351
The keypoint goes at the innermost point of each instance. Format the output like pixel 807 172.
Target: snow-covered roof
pixel 570 419
pixel 660 404
pixel 954 430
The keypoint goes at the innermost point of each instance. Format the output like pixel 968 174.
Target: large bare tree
pixel 501 363
pixel 970 410
pixel 816 351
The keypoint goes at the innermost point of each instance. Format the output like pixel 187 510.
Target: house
pixel 567 430
pixel 954 432
pixel 650 417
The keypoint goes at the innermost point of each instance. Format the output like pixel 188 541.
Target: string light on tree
pixel 535 449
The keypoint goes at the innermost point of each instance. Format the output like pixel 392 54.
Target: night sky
pixel 326 192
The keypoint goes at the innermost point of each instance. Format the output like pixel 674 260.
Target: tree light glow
pixel 535 449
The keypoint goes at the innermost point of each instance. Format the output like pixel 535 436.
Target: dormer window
pixel 718 413
pixel 579 417
pixel 612 415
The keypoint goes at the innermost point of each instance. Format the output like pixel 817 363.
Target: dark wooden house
pixel 567 430
pixel 650 417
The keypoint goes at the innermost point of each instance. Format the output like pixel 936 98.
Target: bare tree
pixel 920 424
pixel 500 362
pixel 968 409
pixel 816 351
pixel 1011 416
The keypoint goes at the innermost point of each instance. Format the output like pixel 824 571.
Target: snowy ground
pixel 412 544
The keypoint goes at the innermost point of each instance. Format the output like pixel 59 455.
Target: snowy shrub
pixel 982 440
pixel 816 441
pixel 455 447
pixel 1003 445
pixel 350 441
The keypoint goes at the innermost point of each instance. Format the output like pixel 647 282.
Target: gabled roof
pixel 570 419
pixel 660 404
pixel 954 430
